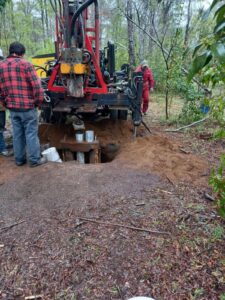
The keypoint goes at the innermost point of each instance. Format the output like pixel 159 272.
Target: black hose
pixel 78 12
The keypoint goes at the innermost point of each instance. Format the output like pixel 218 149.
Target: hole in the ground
pixel 103 149
pixel 106 154
pixel 109 152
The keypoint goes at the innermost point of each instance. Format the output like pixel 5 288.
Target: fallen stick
pixel 187 126
pixel 207 196
pixel 11 226
pixel 34 297
pixel 124 226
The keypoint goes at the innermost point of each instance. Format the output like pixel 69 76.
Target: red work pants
pixel 145 100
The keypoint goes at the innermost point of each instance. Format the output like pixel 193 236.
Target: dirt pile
pixel 165 157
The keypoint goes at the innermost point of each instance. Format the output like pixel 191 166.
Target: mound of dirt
pixel 165 157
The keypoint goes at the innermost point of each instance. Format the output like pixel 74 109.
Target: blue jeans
pixel 2 142
pixel 25 134
pixel 2 126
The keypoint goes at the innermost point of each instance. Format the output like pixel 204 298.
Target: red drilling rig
pixel 82 80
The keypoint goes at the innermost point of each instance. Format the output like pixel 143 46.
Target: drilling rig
pixel 81 80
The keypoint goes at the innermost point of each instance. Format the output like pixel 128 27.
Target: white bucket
pixel 51 154
pixel 89 136
pixel 79 137
pixel 80 157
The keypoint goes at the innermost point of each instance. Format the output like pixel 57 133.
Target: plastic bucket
pixel 51 154
pixel 80 157
pixel 79 137
pixel 89 136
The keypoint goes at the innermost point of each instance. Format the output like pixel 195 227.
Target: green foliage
pixel 197 293
pixel 217 108
pixel 218 233
pixel 217 182
pixel 219 134
pixel 199 63
pixel 222 296
pixel 3 4
pixel 29 23
pixel 212 46
pixel 191 112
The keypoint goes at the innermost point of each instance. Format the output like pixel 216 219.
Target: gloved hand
pixel 151 89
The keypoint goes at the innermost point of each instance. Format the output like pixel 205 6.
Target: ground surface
pixel 164 240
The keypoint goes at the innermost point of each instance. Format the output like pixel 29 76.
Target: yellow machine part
pixel 76 68
pixel 42 63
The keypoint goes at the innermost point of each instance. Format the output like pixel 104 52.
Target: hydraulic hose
pixel 79 11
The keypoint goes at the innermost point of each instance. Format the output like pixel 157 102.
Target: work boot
pixel 40 162
pixel 21 163
pixel 6 153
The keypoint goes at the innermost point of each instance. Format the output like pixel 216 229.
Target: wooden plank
pixel 75 146
pixel 94 156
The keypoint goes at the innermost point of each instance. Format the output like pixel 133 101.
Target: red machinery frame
pixel 89 39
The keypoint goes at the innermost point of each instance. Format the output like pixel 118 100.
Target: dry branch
pixel 165 51
pixel 187 126
pixel 11 226
pixel 124 226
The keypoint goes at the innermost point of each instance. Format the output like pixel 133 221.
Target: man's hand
pixel 151 89
pixel 2 107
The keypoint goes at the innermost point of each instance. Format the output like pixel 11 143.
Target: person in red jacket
pixel 148 84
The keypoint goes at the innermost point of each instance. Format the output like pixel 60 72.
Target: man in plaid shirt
pixel 21 93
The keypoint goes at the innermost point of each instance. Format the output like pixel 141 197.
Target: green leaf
pixel 215 2
pixel 221 212
pixel 199 63
pixel 196 49
pixel 219 14
pixel 219 27
pixel 218 50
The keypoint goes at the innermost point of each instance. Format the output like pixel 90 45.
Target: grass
pixel 157 108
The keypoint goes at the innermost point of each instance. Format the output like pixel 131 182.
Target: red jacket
pixel 148 80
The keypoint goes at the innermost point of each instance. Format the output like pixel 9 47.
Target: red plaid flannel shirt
pixel 20 88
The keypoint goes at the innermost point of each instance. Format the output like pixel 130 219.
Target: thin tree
pixel 130 32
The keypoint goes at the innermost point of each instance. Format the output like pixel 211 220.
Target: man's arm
pixel 151 80
pixel 38 92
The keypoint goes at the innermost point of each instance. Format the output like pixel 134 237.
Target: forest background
pixel 164 32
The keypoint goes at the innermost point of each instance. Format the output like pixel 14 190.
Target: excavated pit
pixel 110 134
pixel 155 153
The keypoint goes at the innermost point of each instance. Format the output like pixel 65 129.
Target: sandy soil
pixel 139 225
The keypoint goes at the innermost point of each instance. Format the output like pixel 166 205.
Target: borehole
pixel 107 154
pixel 63 138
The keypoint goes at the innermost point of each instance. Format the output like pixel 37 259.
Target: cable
pixel 47 98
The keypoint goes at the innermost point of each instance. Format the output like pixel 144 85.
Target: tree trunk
pixel 130 31
pixel 46 17
pixel 42 21
pixel 143 22
pixel 187 28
